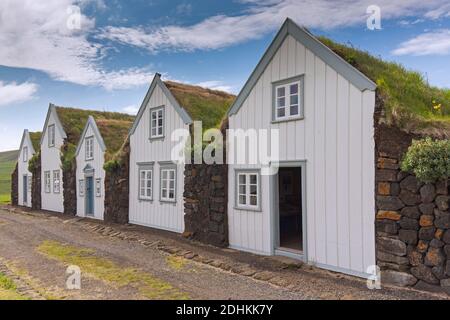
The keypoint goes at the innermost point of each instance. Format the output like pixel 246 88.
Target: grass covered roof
pixel 35 138
pixel 202 104
pixel 409 101
pixel 113 127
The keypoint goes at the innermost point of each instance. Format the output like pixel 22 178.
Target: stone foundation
pixel 206 199
pixel 412 220
pixel 36 200
pixel 15 186
pixel 117 190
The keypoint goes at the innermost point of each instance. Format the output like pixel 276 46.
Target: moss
pixel 409 101
pixel 176 263
pixel 106 270
pixel 33 162
pixel 8 289
pixel 208 106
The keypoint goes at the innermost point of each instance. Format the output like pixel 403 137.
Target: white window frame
pixel 89 148
pixel 25 154
pixel 159 129
pixel 47 182
pixel 81 187
pixel 164 184
pixel 51 135
pixel 145 176
pixel 56 182
pixel 247 190
pixel 98 187
pixel 286 85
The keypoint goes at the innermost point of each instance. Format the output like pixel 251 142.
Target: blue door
pixel 25 189
pixel 89 196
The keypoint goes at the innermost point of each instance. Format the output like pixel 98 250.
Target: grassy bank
pixel 7 163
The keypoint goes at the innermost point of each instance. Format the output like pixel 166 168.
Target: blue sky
pixel 102 54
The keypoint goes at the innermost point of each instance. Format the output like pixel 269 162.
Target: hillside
pixel 8 161
pixel 409 101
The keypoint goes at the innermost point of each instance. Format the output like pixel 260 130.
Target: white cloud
pixel 11 93
pixel 132 109
pixel 430 43
pixel 184 9
pixel 34 35
pixel 260 18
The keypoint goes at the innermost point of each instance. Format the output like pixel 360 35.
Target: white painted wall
pixel 23 170
pixel 99 173
pixel 336 138
pixel 161 215
pixel 51 160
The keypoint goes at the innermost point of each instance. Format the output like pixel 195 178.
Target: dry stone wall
pixel 15 186
pixel 412 220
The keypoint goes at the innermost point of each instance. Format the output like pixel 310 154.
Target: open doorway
pixel 290 210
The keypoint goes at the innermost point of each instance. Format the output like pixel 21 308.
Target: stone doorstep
pixel 22 286
pixel 243 269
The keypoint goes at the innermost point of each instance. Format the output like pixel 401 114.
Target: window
pixel 56 181
pixel 98 187
pixel 168 182
pixel 47 181
pixel 146 183
pixel 157 123
pixel 29 183
pixel 25 154
pixel 288 100
pixel 248 190
pixel 51 135
pixel 90 148
pixel 81 188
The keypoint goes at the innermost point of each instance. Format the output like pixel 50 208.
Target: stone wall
pixel 36 199
pixel 15 186
pixel 412 220
pixel 117 190
pixel 70 186
pixel 206 198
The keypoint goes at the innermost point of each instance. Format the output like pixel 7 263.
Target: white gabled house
pixel 90 158
pixel 320 206
pixel 102 136
pixel 156 182
pixel 52 140
pixel 26 152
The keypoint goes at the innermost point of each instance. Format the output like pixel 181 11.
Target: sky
pixel 102 54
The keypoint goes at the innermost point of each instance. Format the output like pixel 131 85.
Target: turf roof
pixel 202 104
pixel 114 133
pixel 409 101
pixel 35 138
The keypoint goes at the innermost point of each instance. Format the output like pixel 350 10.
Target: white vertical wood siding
pixel 336 138
pixel 99 173
pixel 51 160
pixel 166 216
pixel 23 171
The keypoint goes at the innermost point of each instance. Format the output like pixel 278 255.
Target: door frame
pixel 86 195
pixel 25 189
pixel 275 216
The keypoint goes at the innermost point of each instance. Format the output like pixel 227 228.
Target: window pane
pixel 160 122
pixel 154 115
pixel 242 200
pixel 172 174
pixel 294 88
pixel 164 193
pixel 172 194
pixel 294 110
pixel 253 190
pixel 153 131
pixel 253 179
pixel 253 201
pixel 242 179
pixel 164 174
pixel 160 131
pixel 149 193
pixel 294 99
pixel 280 112
pixel 281 92
pixel 242 189
pixel 281 102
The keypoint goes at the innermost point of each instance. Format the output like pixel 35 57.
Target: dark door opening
pixel 89 196
pixel 290 209
pixel 25 189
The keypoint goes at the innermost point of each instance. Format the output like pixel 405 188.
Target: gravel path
pixel 22 233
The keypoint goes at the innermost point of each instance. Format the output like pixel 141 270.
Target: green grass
pixel 8 161
pixel 409 101
pixel 109 272
pixel 8 289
